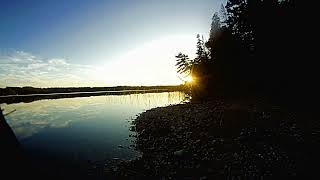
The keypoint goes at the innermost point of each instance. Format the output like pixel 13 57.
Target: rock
pixel 179 153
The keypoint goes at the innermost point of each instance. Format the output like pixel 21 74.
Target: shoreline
pixel 220 140
pixel 33 90
pixel 35 97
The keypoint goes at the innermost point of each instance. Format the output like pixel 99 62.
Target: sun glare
pixel 189 79
pixel 152 63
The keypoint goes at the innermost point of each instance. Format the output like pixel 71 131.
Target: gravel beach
pixel 223 140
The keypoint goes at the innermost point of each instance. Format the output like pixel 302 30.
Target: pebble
pixel 179 153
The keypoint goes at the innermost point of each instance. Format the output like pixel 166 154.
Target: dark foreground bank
pixel 14 163
pixel 225 140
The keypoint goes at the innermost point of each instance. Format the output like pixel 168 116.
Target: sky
pixel 46 43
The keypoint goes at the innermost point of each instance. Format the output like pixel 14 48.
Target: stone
pixel 179 153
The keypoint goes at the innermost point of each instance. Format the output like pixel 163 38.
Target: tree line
pixel 255 47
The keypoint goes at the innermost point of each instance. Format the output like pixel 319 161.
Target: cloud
pixel 58 62
pixel 17 57
pixel 19 68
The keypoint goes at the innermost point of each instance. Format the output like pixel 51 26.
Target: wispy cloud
pixel 19 68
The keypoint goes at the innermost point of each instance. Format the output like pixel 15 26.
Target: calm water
pixel 81 130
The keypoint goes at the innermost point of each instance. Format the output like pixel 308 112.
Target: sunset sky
pixel 65 43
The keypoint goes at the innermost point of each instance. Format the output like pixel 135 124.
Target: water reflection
pixel 82 128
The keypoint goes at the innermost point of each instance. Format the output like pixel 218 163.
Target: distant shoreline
pixel 32 91
pixel 79 93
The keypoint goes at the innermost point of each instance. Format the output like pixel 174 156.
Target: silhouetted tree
pixel 202 51
pixel 265 30
pixel 223 15
pixel 215 26
pixel 214 33
pixel 183 64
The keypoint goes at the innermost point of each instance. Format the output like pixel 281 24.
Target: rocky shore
pixel 220 140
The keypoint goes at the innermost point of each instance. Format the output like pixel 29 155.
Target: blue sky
pixel 47 43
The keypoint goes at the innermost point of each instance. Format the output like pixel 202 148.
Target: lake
pixel 74 134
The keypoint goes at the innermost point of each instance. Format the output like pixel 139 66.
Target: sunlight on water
pixel 56 113
pixel 83 127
